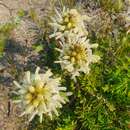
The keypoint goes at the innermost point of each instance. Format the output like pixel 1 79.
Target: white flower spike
pixel 67 20
pixel 76 55
pixel 40 94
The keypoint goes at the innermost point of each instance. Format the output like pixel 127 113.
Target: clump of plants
pixel 84 82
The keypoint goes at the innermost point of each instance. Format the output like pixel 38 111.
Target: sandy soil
pixel 19 52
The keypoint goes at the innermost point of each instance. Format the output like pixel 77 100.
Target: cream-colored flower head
pixel 68 20
pixel 76 55
pixel 40 94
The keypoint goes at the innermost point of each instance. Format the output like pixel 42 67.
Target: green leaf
pixel 38 48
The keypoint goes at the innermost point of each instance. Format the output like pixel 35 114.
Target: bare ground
pixel 18 55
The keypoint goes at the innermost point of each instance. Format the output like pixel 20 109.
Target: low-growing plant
pixel 95 69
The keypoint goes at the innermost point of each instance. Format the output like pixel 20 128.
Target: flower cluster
pixel 75 51
pixel 40 94
pixel 76 55
pixel 67 20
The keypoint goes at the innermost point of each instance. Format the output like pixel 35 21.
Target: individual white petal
pixel 22 114
pixel 28 76
pixel 37 76
pixel 41 117
pixel 66 57
pixel 37 70
pixel 69 67
pixel 32 116
pixel 69 93
pixel 17 101
pixel 59 105
pixel 58 62
pixel 58 49
pixel 48 73
pixel 62 100
pixel 50 115
pixel 94 45
pixel 17 84
pixel 58 13
pixel 62 88
pixel 22 91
